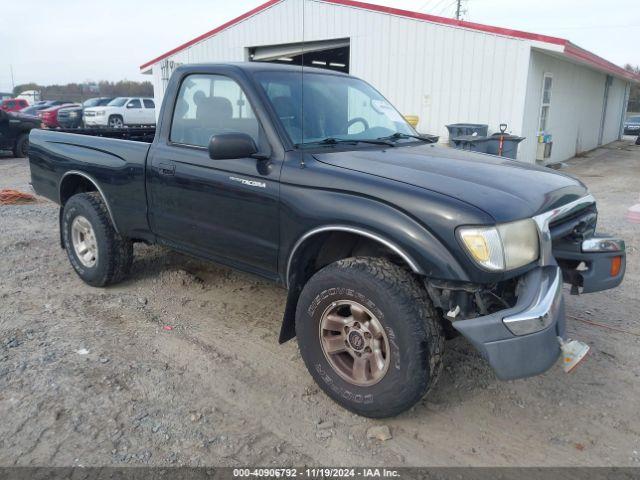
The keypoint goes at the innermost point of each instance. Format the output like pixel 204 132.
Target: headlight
pixel 502 247
pixel 99 113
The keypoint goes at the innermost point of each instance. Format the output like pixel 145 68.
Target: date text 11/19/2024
pixel 325 472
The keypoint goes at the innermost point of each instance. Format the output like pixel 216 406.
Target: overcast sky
pixel 76 40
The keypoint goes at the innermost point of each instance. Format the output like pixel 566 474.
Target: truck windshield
pixel 117 102
pixel 315 107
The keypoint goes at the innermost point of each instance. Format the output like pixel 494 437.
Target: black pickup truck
pixel 386 242
pixel 14 132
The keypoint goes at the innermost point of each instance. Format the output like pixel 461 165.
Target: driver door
pixel 226 210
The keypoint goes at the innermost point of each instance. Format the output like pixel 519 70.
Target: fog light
pixel 616 263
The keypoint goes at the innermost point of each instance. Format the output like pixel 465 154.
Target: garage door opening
pixel 329 54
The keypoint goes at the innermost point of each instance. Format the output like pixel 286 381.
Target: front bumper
pixel 521 354
pixel 521 341
pixel 96 121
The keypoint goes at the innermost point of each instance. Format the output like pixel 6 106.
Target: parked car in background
pixel 632 125
pixel 14 132
pixel 96 102
pixel 122 111
pixel 49 116
pixel 72 117
pixel 41 105
pixel 13 104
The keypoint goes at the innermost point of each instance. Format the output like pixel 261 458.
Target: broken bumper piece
pixel 522 341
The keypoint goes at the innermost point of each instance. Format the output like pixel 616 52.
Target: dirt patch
pixel 92 377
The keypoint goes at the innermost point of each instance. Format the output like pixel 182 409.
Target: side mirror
pixel 226 146
pixel 129 105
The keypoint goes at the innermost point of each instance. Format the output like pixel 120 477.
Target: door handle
pixel 166 168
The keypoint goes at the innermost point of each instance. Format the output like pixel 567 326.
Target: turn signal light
pixel 616 264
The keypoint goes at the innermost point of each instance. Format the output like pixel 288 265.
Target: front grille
pixel 576 225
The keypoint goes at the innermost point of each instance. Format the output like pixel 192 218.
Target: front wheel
pixel 98 254
pixel 115 121
pixel 369 336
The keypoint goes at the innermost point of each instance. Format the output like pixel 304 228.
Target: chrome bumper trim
pixel 540 314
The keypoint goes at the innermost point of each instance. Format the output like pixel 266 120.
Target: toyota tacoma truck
pixel 387 243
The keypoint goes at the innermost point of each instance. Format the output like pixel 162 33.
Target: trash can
pixel 457 130
pixel 509 145
pixel 472 143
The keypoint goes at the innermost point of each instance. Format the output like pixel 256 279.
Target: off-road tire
pixel 21 150
pixel 407 316
pixel 115 253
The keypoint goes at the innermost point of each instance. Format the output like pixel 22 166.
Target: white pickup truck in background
pixel 122 111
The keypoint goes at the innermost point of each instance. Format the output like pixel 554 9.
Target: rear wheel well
pixel 319 251
pixel 74 184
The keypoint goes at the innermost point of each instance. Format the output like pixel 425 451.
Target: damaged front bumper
pixel 522 341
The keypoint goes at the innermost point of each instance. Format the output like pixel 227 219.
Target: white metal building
pixel 443 70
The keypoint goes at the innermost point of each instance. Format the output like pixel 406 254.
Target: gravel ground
pixel 91 377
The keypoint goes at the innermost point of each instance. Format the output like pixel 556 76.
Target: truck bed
pixel 116 166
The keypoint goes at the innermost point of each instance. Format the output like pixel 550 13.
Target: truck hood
pixel 505 189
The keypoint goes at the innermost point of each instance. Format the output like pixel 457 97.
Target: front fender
pixel 310 212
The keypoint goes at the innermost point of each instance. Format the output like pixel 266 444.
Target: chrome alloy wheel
pixel 116 122
pixel 354 343
pixel 84 241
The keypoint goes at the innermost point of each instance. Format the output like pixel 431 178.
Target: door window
pixel 148 103
pixel 209 105
pixel 135 103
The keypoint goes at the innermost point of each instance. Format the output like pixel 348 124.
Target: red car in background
pixel 13 104
pixel 49 116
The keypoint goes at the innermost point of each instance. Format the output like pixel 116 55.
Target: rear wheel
pixel 369 336
pixel 21 150
pixel 98 254
pixel 115 121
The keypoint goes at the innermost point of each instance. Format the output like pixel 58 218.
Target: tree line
pixel 78 92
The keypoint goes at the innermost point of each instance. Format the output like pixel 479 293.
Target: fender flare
pixel 95 184
pixel 415 267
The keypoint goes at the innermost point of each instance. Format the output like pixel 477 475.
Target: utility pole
pixel 459 10
pixel 13 84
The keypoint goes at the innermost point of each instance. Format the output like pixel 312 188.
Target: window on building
pixel 208 105
pixel 545 107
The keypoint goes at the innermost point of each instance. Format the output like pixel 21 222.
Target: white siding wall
pixel 441 73
pixel 576 108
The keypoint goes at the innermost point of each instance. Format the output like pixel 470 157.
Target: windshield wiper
pixel 336 141
pixel 399 136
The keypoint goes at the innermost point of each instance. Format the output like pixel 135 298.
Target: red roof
pixel 570 50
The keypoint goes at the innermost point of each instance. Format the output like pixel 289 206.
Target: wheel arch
pixel 73 182
pixel 328 243
pixel 309 236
